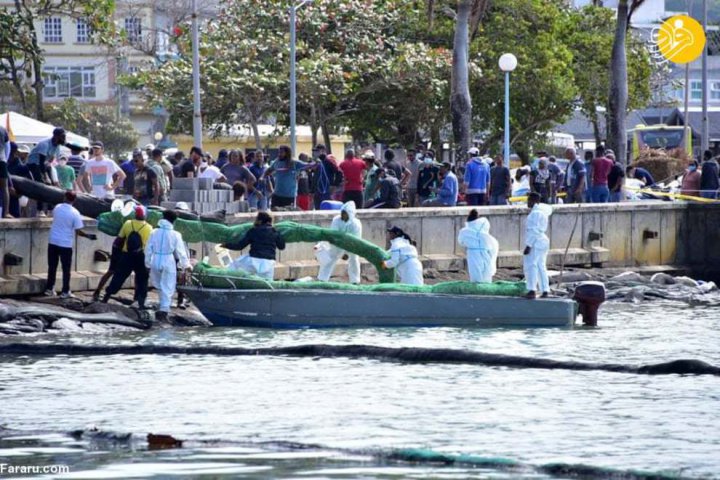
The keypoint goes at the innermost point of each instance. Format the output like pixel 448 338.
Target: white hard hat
pixel 182 206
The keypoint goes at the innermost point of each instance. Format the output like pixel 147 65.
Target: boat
pixel 292 309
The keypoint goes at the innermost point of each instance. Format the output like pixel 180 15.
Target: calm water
pixel 272 417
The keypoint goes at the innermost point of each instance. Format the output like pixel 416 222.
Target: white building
pixel 77 68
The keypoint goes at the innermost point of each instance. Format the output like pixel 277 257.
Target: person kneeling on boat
pixel 345 222
pixel 161 251
pixel 264 241
pixel 404 257
pixel 537 245
pixel 482 248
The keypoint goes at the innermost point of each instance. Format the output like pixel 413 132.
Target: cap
pixel 137 151
pixel 474 151
pixel 149 146
pixel 23 149
pixel 369 155
pixel 97 143
pixel 140 212
pixel 58 131
pixel 182 206
pixel 62 157
pixel 396 230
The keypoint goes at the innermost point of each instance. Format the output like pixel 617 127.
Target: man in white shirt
pixel 66 222
pixel 101 173
pixel 211 171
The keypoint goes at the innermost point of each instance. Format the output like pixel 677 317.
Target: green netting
pixel 213 277
pixel 199 231
pixel 110 223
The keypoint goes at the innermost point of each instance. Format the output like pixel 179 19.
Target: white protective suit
pixel 404 259
pixel 534 264
pixel 163 246
pixel 482 250
pixel 333 254
pixel 261 267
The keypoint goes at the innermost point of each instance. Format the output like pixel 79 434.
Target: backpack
pixel 134 242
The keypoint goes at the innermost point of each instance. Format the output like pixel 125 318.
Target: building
pixel 75 67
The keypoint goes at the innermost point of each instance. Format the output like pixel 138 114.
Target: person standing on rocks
pixel 163 248
pixel 135 235
pixel 66 223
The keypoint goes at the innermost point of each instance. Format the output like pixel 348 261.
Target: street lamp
pixel 507 63
pixel 293 86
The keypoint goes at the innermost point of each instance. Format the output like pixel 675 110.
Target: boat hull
pixel 348 309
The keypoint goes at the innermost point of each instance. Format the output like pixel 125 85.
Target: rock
pixel 663 279
pixel 629 277
pixel 686 281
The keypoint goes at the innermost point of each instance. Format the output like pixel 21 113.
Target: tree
pixel 468 15
pixel 21 46
pixel 618 92
pixel 97 123
pixel 590 39
pixel 543 91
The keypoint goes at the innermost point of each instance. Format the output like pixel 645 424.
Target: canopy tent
pixel 24 129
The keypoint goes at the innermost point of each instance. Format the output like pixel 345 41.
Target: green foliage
pixel 542 87
pixel 97 123
pixel 591 34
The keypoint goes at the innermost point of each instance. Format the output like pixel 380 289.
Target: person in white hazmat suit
pixel 537 245
pixel 404 258
pixel 164 246
pixel 348 223
pixel 482 248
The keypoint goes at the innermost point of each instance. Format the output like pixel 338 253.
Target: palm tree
pixel 468 14
pixel 618 95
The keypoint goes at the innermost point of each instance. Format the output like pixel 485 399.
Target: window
pixel 133 27
pixel 715 90
pixel 83 31
pixel 695 90
pixel 64 82
pixel 52 30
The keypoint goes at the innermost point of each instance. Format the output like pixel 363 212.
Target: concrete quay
pixel 638 234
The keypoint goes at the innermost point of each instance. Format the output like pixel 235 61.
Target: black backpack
pixel 134 242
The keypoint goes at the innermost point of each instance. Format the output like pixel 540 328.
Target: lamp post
pixel 293 83
pixel 507 64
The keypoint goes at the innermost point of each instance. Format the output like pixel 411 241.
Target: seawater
pixel 337 418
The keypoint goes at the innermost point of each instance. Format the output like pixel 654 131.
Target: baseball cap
pixel 182 206
pixel 474 151
pixel 140 212
pixel 23 149
pixel 97 143
pixel 149 146
pixel 369 155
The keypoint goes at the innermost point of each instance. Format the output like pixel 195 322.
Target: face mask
pixel 428 161
pixel 692 168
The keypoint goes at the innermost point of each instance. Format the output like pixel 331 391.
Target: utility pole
pixel 197 112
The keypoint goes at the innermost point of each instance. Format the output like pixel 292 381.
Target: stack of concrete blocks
pixel 200 196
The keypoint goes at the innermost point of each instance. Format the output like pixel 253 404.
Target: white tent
pixel 28 130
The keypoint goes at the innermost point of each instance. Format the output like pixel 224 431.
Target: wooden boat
pixel 289 308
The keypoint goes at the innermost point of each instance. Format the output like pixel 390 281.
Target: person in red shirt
pixel 353 170
pixel 601 167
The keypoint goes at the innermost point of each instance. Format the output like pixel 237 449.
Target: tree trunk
pixel 460 104
pixel 313 126
pixel 19 86
pixel 596 129
pixel 617 103
pixel 256 132
pixel 326 137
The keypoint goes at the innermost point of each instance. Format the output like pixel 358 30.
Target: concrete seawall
pixel 619 235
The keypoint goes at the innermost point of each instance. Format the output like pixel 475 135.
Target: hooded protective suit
pixel 352 227
pixel 482 250
pixel 164 245
pixel 404 259
pixel 534 263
